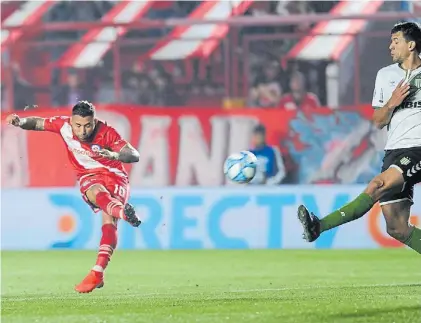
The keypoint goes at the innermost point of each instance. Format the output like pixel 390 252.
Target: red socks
pixel 108 241
pixel 110 205
pixel 106 248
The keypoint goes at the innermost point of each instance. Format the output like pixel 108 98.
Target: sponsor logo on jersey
pixel 410 104
pixel 82 152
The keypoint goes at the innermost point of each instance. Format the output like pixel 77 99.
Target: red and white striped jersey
pixel 84 156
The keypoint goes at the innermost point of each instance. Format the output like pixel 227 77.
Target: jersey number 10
pixel 119 190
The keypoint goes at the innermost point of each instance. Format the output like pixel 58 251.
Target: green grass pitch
pixel 312 286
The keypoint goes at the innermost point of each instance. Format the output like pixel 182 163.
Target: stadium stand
pixel 167 64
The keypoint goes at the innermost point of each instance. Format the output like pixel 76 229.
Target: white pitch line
pixel 152 295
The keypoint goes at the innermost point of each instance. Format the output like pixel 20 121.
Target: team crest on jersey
pixel 95 148
pixel 415 87
pixel 415 81
pixel 405 161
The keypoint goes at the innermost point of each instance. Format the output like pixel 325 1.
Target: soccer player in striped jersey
pixel 97 153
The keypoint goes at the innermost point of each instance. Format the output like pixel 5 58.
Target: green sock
pixel 414 240
pixel 349 212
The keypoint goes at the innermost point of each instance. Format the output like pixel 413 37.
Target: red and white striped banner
pixel 28 14
pixel 96 42
pixel 333 36
pixel 199 40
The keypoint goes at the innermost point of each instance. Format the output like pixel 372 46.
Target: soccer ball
pixel 240 167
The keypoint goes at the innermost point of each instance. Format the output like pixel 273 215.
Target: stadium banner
pixel 184 147
pixel 243 217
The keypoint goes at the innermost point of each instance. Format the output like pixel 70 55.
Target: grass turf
pixel 215 286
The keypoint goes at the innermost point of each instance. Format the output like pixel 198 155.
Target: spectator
pixel 146 94
pixel 299 98
pixel 266 91
pixel 130 88
pixel 106 90
pixel 166 94
pixel 23 90
pixel 72 92
pixel 270 166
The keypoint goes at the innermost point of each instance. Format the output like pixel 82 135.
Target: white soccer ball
pixel 240 167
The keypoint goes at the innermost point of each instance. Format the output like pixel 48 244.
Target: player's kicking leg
pixel 388 184
pixel 388 181
pixel 98 195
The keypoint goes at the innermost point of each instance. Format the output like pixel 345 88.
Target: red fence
pixel 228 73
pixel 188 146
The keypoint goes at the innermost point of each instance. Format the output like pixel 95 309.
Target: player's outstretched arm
pixel 29 123
pixel 127 154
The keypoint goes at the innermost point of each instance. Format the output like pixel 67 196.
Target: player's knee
pixel 95 189
pixel 398 231
pixel 385 183
pixel 376 188
pixel 108 219
pixel 93 192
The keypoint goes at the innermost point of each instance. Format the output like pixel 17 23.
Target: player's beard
pixel 86 138
pixel 397 59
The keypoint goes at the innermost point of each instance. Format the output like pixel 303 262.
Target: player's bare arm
pixel 382 116
pixel 127 154
pixel 29 123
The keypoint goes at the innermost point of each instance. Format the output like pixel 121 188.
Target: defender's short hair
pixel 411 32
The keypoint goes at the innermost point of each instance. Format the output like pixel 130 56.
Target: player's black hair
pixel 411 32
pixel 260 129
pixel 83 109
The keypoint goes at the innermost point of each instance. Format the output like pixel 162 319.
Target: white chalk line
pixel 12 298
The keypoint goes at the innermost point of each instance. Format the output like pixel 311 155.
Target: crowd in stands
pixel 269 80
pixel 270 83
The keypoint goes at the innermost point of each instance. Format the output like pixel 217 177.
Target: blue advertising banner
pixel 191 218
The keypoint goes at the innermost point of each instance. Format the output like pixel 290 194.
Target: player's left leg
pixel 107 245
pixel 388 182
pixel 397 220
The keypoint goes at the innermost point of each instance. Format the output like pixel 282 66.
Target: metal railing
pixel 235 52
